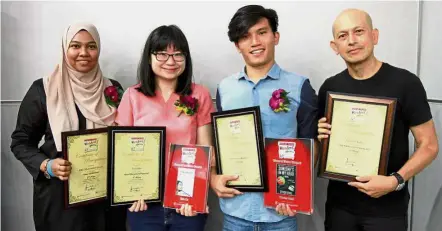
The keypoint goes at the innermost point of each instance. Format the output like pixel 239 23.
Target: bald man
pixel 376 203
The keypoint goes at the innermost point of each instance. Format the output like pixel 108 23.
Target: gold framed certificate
pixel 239 147
pixel 359 143
pixel 137 164
pixel 87 150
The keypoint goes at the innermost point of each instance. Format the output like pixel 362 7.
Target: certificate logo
pixel 286 150
pixel 188 155
pixel 91 145
pixel 235 126
pixel 137 144
pixel 358 114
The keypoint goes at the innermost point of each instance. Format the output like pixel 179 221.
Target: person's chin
pixel 83 69
pixel 353 59
pixel 169 77
pixel 257 63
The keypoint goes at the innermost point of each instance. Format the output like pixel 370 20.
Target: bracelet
pixel 49 168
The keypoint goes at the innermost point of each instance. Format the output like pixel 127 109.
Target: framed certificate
pixel 187 180
pixel 239 148
pixel 359 143
pixel 136 164
pixel 87 150
pixel 290 174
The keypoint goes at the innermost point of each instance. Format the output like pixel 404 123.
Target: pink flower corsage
pixel 279 101
pixel 186 104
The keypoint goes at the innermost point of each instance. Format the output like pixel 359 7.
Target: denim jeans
pixel 237 224
pixel 157 218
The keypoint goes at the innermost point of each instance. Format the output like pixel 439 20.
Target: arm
pixel 125 111
pixel 204 131
pixel 323 126
pixel 31 124
pixel 417 114
pixel 427 149
pixel 218 182
pixel 307 116
pixel 203 136
pixel 426 152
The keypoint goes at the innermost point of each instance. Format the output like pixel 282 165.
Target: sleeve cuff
pixel 35 169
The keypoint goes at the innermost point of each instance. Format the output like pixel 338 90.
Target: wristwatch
pixel 400 180
pixel 45 170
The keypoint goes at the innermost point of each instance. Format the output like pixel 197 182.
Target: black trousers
pixel 90 219
pixel 50 214
pixel 341 220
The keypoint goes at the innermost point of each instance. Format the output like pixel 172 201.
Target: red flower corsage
pixel 113 95
pixel 186 104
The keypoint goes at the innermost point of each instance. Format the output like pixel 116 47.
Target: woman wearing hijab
pixel 71 98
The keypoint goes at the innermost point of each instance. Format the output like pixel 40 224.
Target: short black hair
pixel 158 40
pixel 248 16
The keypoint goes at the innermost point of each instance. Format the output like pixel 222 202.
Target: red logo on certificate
pixel 290 174
pixel 187 177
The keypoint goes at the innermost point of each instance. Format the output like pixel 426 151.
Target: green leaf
pixel 110 102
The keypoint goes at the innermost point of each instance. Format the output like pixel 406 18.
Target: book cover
pixel 290 173
pixel 187 178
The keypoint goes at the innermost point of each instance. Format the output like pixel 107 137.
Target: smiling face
pixel 354 37
pixel 82 52
pixel 258 45
pixel 170 67
pixel 179 186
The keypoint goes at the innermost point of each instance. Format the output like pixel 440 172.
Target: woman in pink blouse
pixel 165 74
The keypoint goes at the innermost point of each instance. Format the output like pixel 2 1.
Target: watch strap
pixel 400 180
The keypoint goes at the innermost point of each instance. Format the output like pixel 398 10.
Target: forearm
pixel 30 127
pixel 31 158
pixel 204 137
pixel 316 148
pixel 213 171
pixel 213 175
pixel 420 159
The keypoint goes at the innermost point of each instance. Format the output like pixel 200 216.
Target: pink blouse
pixel 136 109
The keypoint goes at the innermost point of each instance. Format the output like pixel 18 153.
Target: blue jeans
pixel 237 224
pixel 157 218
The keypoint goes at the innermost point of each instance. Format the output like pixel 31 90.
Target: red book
pixel 290 174
pixel 187 179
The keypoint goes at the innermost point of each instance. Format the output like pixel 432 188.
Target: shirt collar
pixel 274 73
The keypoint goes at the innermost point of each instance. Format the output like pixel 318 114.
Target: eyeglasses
pixel 178 57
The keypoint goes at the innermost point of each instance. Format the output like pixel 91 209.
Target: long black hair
pixel 158 40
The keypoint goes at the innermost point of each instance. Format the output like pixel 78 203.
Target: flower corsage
pixel 279 101
pixel 113 95
pixel 186 104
